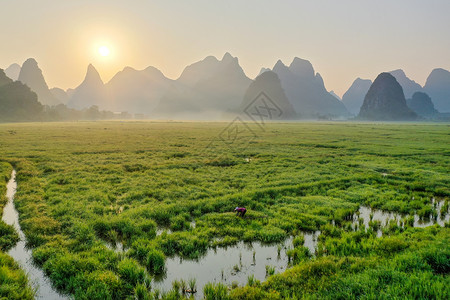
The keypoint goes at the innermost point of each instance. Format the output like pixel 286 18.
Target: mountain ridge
pixel 219 85
pixel 437 87
pixel 31 75
pixel 305 89
pixel 385 101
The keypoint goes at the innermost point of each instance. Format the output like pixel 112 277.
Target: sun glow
pixel 104 51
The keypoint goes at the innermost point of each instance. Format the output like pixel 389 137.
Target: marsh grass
pixel 14 283
pixel 192 285
pixel 80 185
pixel 216 291
pixel 270 270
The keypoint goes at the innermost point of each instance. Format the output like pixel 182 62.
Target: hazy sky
pixel 343 39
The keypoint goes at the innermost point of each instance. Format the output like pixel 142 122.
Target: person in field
pixel 240 211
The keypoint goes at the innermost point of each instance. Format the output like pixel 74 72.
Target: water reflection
pixel 21 254
pixel 365 215
pixel 236 263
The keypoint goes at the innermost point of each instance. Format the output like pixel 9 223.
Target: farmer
pixel 240 211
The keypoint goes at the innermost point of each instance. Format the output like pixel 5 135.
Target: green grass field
pixel 13 281
pixel 81 185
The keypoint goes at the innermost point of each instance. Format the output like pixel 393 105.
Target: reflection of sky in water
pixel 21 254
pixel 216 262
pixel 218 265
pixel 385 217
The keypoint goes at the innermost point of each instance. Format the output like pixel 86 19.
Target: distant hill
pixel 4 80
pixel 13 71
pixel 409 86
pixel 206 89
pixel 437 87
pixel 306 91
pixel 354 97
pixel 31 75
pixel 137 91
pixel 213 88
pixel 90 92
pixel 265 97
pixel 60 94
pixel 332 93
pixel 264 70
pixel 17 101
pixel 421 104
pixel 385 101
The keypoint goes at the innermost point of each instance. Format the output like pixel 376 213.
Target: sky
pixel 343 39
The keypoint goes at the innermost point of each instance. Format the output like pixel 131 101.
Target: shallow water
pixel 227 265
pixel 117 247
pixel 311 240
pixel 21 254
pixel 439 220
pixel 236 263
pixel 160 231
pixel 231 264
pixel 364 213
pixel 384 217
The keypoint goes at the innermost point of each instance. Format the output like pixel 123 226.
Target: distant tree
pixel 4 80
pixel 18 102
pixel 92 113
pixel 61 112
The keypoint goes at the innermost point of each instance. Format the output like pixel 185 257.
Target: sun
pixel 104 51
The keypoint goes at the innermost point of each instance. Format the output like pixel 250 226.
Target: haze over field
pixel 342 39
pixel 224 150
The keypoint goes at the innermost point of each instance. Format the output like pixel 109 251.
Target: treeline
pixel 17 101
pixel 62 113
pixel 19 104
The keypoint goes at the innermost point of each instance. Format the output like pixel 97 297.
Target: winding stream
pixel 21 254
pixel 227 265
